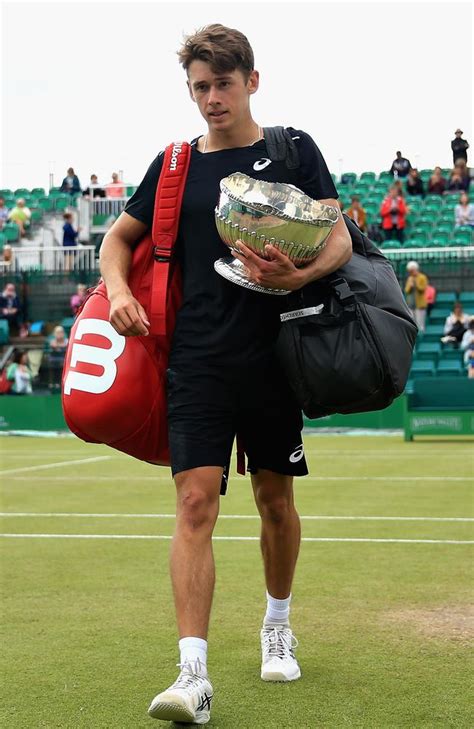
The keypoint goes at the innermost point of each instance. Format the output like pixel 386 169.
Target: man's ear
pixel 253 82
pixel 190 91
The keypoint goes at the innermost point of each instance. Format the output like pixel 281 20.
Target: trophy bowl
pixel 258 213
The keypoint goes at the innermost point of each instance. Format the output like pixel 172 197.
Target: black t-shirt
pixel 220 322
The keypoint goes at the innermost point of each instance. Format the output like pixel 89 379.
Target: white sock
pixel 278 611
pixel 193 648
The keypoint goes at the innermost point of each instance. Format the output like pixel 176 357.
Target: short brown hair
pixel 224 49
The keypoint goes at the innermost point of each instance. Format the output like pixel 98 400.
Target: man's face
pixel 222 98
pixel 10 289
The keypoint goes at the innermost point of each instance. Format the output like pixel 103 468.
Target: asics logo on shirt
pixel 261 164
pixel 297 455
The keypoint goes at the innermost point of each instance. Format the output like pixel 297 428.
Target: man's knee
pixel 274 500
pixel 197 505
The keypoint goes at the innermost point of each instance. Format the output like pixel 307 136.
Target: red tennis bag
pixel 114 387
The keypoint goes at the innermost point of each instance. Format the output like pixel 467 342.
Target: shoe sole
pixel 280 677
pixel 168 711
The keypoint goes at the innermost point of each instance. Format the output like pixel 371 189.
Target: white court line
pixel 232 539
pixel 318 517
pixel 134 477
pixel 56 465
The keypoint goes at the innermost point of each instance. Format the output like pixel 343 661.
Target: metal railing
pixel 54 258
pixel 96 215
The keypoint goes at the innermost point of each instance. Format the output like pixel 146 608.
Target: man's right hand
pixel 127 316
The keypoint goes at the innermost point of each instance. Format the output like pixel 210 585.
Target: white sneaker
pixel 278 659
pixel 188 700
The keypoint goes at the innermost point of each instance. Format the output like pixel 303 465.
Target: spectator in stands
pixel 357 213
pixel 415 183
pixel 430 298
pixel 464 212
pixel 459 146
pixel 97 191
pixel 71 183
pixel 415 290
pixel 464 171
pixel 20 374
pixel 20 215
pixel 467 346
pixel 400 166
pixel 457 183
pixel 455 325
pixel 10 308
pixel 116 187
pixel 437 183
pixel 69 234
pixel 78 298
pixel 393 211
pixel 3 213
pixel 57 351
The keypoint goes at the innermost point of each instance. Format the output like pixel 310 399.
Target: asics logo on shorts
pixel 297 455
pixel 261 164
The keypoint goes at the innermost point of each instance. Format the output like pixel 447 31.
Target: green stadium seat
pixel 61 202
pixel 438 315
pixel 385 176
pixel 467 299
pixel 440 240
pixel 446 298
pixel 450 368
pixel 414 243
pixel 428 351
pixel 435 201
pixel 38 192
pixel 12 232
pixel 423 369
pixel 67 323
pixel 21 192
pixel 55 191
pixel 36 215
pixel 348 178
pixel 451 354
pixel 6 192
pixel 433 332
pixel 130 189
pixel 427 216
pixel 4 331
pixel 391 245
pixel 425 174
pixel 371 176
pixel 444 228
pixel 3 242
pixel 46 203
pixel 464 234
pixel 446 217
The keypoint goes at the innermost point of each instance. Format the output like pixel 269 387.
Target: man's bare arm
pixel 280 273
pixel 127 316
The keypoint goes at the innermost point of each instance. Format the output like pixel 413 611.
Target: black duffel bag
pixel 346 341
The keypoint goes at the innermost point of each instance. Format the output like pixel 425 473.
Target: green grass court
pixel 381 597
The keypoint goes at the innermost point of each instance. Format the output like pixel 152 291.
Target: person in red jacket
pixel 393 211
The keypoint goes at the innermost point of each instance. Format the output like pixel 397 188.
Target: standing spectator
pixel 78 298
pixel 20 374
pixel 97 191
pixel 400 166
pixel 430 298
pixel 69 241
pixel 459 146
pixel 20 215
pixel 3 213
pixel 415 290
pixel 415 183
pixel 115 188
pixel 437 183
pixel 71 183
pixel 393 211
pixel 357 213
pixel 464 212
pixel 467 346
pixel 455 325
pixel 57 350
pixel 10 308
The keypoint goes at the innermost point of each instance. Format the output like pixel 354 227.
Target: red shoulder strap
pixel 168 199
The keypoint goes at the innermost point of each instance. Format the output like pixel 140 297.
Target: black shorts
pixel 206 408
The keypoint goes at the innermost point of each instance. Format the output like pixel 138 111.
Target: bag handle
pixel 168 201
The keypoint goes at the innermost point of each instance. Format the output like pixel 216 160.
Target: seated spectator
pixel 71 183
pixel 357 213
pixel 3 213
pixel 467 341
pixel 456 182
pixel 455 325
pixel 20 215
pixel 464 171
pixel 115 188
pixel 393 211
pixel 10 308
pixel 20 374
pixel 57 351
pixel 78 298
pixel 464 212
pixel 400 166
pixel 430 297
pixel 94 186
pixel 437 183
pixel 415 183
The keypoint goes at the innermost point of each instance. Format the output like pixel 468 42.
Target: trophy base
pixel 234 270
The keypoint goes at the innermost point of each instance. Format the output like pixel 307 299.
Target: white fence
pixel 53 258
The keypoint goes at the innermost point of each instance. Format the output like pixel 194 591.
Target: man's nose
pixel 213 98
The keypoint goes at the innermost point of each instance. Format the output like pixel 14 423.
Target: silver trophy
pixel 258 213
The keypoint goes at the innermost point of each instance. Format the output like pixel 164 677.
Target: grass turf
pixel 88 624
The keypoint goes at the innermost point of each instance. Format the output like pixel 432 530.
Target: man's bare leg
pixel 281 531
pixel 192 559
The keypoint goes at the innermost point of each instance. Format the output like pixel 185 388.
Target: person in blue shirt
pixel 71 183
pixel 69 234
